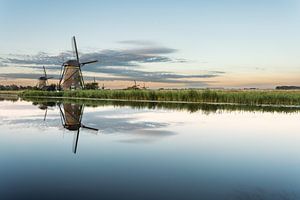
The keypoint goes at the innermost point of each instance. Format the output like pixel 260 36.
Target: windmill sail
pixel 45 74
pixel 75 142
pixel 75 48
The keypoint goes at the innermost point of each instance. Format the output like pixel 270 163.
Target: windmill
pixel 43 80
pixel 71 116
pixel 134 87
pixel 71 75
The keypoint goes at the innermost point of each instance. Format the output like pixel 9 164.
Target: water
pixel 147 152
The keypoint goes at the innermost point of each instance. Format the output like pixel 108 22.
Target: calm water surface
pixel 71 151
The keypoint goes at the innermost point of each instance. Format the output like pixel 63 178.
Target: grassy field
pixel 256 97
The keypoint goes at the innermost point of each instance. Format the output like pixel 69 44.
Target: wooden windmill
pixel 71 116
pixel 71 75
pixel 43 80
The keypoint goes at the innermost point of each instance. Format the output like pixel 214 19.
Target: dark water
pixel 54 151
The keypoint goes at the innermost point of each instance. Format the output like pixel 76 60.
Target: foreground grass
pixel 270 97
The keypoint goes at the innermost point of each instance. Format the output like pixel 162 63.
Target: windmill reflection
pixel 71 116
pixel 44 107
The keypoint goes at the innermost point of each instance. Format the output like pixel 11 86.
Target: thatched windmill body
pixel 43 80
pixel 71 75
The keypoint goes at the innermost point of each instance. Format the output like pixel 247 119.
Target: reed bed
pixel 256 97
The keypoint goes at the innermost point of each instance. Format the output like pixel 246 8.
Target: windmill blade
pixel 62 73
pixel 61 70
pixel 75 48
pixel 81 76
pixel 45 71
pixel 62 116
pixel 81 113
pixel 45 114
pixel 89 62
pixel 90 128
pixel 75 141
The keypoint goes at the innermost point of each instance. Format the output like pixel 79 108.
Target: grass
pixel 191 107
pixel 259 97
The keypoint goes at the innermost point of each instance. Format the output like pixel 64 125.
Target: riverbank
pixel 256 97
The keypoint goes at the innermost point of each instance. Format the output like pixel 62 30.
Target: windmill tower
pixel 71 76
pixel 135 86
pixel 71 116
pixel 43 80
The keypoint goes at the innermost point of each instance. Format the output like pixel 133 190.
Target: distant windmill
pixel 71 116
pixel 135 85
pixel 71 75
pixel 45 106
pixel 43 80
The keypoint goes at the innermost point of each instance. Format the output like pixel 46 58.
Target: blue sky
pixel 252 42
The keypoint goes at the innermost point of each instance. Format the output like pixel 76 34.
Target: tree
pixel 92 86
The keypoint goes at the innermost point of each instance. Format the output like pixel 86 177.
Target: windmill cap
pixel 72 63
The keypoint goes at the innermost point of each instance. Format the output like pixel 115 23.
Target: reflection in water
pixel 71 112
pixel 191 107
pixel 224 155
pixel 71 118
pixel 9 97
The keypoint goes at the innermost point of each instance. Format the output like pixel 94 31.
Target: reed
pixel 259 97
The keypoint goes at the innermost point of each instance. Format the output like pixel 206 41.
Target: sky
pixel 216 43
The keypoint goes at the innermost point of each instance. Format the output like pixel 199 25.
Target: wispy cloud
pixel 125 75
pixel 121 64
pixel 40 58
pixel 138 42
pixel 108 57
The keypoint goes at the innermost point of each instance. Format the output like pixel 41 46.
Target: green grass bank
pixel 256 97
